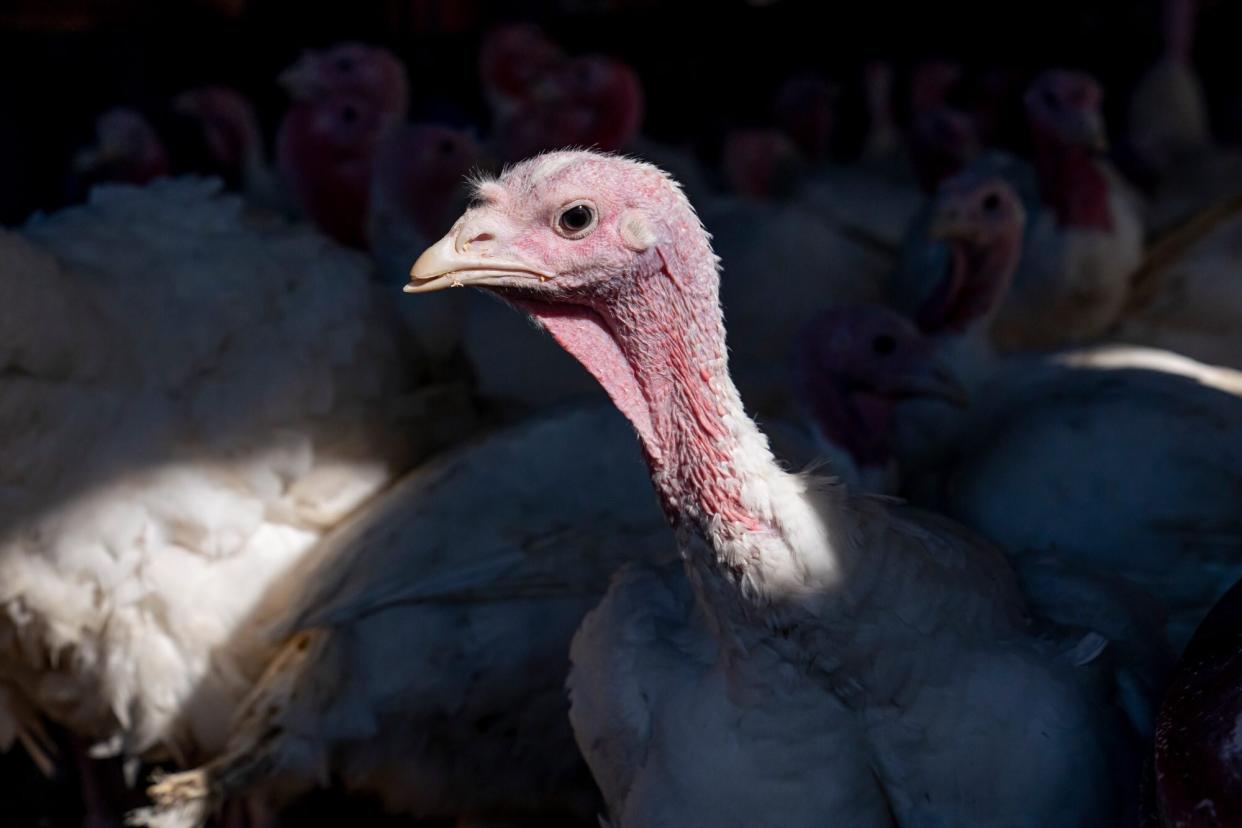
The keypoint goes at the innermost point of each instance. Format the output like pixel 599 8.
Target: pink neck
pixel 1072 184
pixel 331 185
pixel 660 355
pixel 856 423
pixel 972 290
pixel 685 380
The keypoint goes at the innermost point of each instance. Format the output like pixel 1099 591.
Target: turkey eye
pixel 992 203
pixel 884 344
pixel 575 221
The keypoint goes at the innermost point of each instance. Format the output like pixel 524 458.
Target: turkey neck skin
pixel 1073 185
pixel 750 538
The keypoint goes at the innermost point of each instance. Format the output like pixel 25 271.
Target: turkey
pixel 590 100
pixel 188 403
pixel 513 58
pixel 392 188
pixel 425 657
pixel 1170 134
pixel 1084 232
pixel 822 655
pixel 764 231
pixel 1120 457
pixel 874 199
pixel 1187 297
pixel 597 101
pixel 850 367
pixel 853 368
pixel 1085 246
pixel 127 150
pixel 232 133
pixel 344 100
pixel 370 180
pixel 351 67
pixel 943 138
pixel 806 110
pixel 418 186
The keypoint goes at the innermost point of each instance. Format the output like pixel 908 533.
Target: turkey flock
pixel 944 532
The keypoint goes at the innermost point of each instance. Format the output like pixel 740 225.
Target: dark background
pixel 705 65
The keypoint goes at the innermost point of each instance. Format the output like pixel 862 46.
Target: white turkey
pixel 127 150
pixel 853 368
pixel 1120 457
pixel 377 183
pixel 1084 230
pixel 767 229
pixel 188 403
pixel 1169 131
pixel 822 656
pixel 231 131
pixel 1187 297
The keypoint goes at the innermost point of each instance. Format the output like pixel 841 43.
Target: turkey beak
pixel 450 263
pixel 930 378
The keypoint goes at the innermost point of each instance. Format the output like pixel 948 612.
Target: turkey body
pixel 189 402
pixel 845 621
pixel 1079 276
pixel 817 266
pixel 425 659
pixel 920 734
pixel 1190 301
pixel 1124 459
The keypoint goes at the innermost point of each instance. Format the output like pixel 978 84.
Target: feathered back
pixel 188 399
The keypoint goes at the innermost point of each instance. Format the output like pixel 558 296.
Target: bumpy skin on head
pixel 609 256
